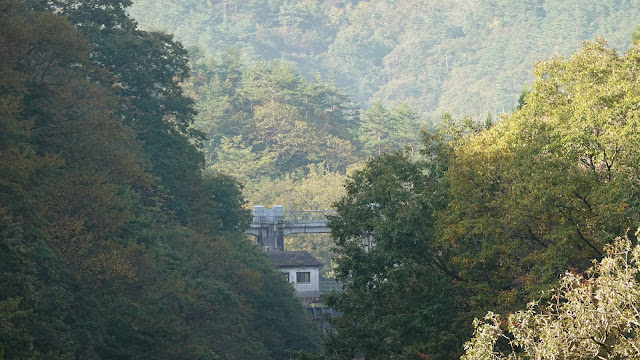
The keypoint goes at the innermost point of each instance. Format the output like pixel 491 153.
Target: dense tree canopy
pixel 457 56
pixel 493 214
pixel 112 242
pixel 398 299
pixel 549 185
pixel 386 130
pixel 268 118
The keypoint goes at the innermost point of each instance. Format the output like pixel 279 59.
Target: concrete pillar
pixel 270 235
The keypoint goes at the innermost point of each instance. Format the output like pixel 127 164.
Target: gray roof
pixel 293 259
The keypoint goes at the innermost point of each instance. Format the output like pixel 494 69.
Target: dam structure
pixel 270 226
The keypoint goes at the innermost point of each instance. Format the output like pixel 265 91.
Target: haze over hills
pixel 458 56
pixel 273 124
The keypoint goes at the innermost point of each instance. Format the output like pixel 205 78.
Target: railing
pixel 308 214
pixel 329 285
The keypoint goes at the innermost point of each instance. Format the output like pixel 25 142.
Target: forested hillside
pixel 457 56
pixel 275 131
pixel 277 105
pixel 113 242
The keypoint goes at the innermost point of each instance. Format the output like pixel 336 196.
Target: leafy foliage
pixel 590 316
pixel 115 245
pixel 546 188
pixel 384 234
pixel 386 130
pixel 494 215
pixel 268 118
pixel 112 242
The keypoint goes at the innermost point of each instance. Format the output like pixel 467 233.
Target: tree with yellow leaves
pixel 590 316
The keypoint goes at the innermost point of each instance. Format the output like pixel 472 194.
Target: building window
pixel 303 277
pixel 286 276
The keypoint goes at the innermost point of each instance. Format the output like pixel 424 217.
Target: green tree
pixel 273 114
pixel 440 56
pixel 375 129
pixel 93 261
pixel 68 167
pixel 235 159
pixel 386 130
pixel 384 234
pixel 146 69
pixel 19 233
pixel 218 206
pixel 547 187
pixel 292 30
